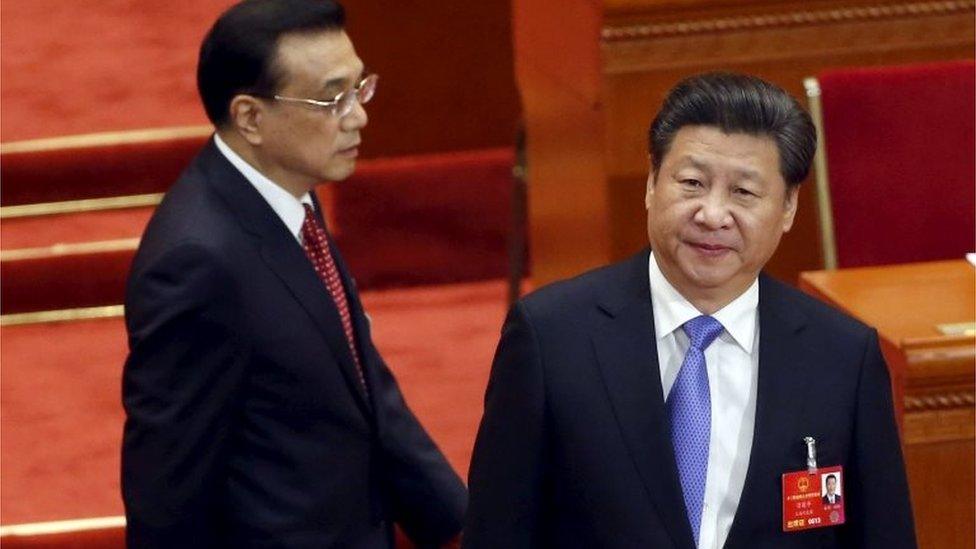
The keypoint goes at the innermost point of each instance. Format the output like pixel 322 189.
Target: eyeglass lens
pixel 362 93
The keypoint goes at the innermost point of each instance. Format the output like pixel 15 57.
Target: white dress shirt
pixel 732 362
pixel 289 209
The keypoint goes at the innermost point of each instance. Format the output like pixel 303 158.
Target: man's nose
pixel 713 212
pixel 356 119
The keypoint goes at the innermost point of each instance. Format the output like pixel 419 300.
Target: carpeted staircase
pixel 426 237
pixel 72 216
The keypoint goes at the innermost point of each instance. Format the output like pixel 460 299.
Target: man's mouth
pixel 709 249
pixel 352 151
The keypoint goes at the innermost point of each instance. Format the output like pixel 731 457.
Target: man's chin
pixel 709 276
pixel 338 173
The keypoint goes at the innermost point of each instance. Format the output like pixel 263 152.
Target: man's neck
pixel 707 300
pixel 252 155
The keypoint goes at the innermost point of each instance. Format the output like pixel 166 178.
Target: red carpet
pixel 61 416
pixel 80 67
pixel 74 228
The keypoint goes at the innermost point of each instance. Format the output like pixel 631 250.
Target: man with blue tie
pixel 659 402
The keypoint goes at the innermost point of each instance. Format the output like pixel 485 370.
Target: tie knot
pixel 309 224
pixel 702 331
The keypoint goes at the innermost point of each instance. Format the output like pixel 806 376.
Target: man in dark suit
pixel 831 497
pixel 657 402
pixel 259 413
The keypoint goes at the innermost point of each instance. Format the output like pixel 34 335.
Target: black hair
pixel 239 53
pixel 738 103
pixel 830 476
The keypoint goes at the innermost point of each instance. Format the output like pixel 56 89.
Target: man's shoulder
pixel 193 187
pixel 779 295
pixel 587 289
pixel 191 214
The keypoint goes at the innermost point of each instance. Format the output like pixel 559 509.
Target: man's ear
pixel 789 209
pixel 649 191
pixel 246 112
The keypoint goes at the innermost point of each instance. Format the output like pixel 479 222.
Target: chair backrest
pixel 897 147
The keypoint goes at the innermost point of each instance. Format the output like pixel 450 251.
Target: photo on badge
pixel 831 488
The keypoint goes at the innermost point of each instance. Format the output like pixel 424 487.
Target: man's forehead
pixel 715 138
pixel 741 167
pixel 705 147
pixel 319 58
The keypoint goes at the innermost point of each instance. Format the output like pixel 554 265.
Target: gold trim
pixel 939 342
pixel 788 19
pixel 77 248
pixel 104 139
pixel 958 329
pixel 828 238
pixel 940 402
pixel 84 205
pixel 62 526
pixel 62 315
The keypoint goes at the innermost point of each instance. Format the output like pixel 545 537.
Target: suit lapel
pixel 285 257
pixel 356 313
pixel 627 353
pixel 779 402
pixel 288 261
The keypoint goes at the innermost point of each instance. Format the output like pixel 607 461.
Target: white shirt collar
pixel 672 310
pixel 289 209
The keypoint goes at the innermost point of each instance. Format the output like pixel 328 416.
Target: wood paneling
pixel 934 378
pixel 447 80
pixel 643 48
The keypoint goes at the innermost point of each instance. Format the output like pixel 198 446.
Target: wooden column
pixel 559 70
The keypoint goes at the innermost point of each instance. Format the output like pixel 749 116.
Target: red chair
pixel 895 167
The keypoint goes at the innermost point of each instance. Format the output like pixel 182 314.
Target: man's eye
pixel 691 183
pixel 743 192
pixel 331 96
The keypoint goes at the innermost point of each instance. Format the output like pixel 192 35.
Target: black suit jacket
pixel 574 447
pixel 246 423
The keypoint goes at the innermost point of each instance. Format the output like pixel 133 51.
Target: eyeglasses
pixel 343 103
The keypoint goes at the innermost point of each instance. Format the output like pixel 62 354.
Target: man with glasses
pixel 259 413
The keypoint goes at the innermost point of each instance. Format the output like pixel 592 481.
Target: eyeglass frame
pixel 334 103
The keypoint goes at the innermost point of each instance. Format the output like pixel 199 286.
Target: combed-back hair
pixel 738 103
pixel 239 53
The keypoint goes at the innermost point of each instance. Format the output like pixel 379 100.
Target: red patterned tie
pixel 316 245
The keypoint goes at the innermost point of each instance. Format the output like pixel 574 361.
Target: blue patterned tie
pixel 690 407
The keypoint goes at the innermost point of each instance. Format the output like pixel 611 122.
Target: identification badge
pixel 813 498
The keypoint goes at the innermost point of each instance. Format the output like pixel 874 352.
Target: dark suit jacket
pixel 574 447
pixel 246 423
pixel 837 499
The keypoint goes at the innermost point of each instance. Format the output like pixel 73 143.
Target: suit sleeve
pixel 878 503
pixel 180 387
pixel 507 469
pixel 428 496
